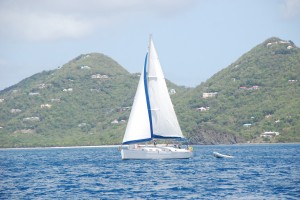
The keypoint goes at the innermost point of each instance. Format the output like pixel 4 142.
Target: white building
pixel 99 76
pixel 247 125
pixel 85 67
pixel 33 93
pixel 115 121
pixel 31 119
pixel 172 91
pixel 46 105
pixel 202 109
pixel 269 134
pixel 209 94
pixel 68 90
pixel 15 110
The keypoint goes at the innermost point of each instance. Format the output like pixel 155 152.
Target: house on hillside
pixel 269 134
pixel 82 125
pixel 99 76
pixel 292 81
pixel 15 110
pixel 243 88
pixel 31 119
pixel 46 105
pixel 201 109
pixel 33 93
pixel 123 109
pixel 68 90
pixel 43 85
pixel 85 67
pixel 247 125
pixel 254 87
pixel 115 121
pixel 209 94
pixel 172 91
pixel 278 42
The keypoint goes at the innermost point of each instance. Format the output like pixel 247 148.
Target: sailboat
pixel 152 117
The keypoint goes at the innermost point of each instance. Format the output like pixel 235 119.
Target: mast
pixel 146 81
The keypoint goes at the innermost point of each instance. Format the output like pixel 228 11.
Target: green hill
pixel 257 93
pixel 87 102
pixel 72 105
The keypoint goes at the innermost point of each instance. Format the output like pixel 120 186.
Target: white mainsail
pixel 164 120
pixel 152 115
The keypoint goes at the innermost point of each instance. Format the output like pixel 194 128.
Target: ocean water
pixel 256 172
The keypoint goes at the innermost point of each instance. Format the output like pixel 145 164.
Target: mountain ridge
pixel 87 101
pixel 251 94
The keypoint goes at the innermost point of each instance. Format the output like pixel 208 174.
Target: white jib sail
pixel 138 127
pixel 164 120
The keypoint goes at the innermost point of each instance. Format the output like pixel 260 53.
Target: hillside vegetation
pixel 85 102
pixel 257 93
pixel 88 100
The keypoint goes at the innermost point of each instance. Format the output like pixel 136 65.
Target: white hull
pixel 156 153
pixel 219 155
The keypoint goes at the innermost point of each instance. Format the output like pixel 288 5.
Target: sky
pixel 194 38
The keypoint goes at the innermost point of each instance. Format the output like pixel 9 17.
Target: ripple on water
pixel 256 172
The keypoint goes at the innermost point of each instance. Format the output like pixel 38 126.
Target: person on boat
pixel 155 143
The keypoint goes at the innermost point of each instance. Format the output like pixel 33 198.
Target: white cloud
pixel 57 19
pixel 291 9
pixel 44 26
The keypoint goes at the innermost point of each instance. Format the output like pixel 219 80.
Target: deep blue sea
pixel 256 172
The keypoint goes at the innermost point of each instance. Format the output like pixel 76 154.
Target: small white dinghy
pixel 219 155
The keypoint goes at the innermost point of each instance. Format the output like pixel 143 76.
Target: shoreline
pixel 116 146
pixel 68 147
